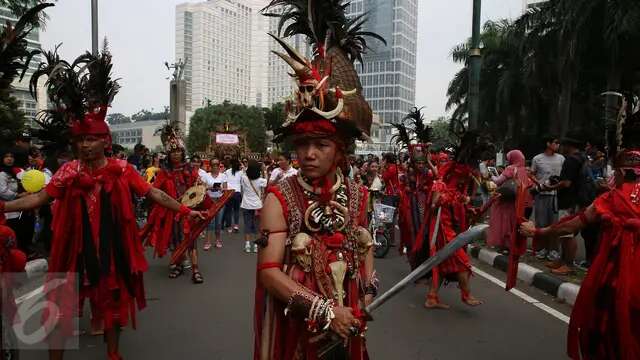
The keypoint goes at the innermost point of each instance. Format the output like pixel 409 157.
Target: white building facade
pixel 214 40
pixel 140 132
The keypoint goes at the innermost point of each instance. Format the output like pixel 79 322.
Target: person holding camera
pixel 545 169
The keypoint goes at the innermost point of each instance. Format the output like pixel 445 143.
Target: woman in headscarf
pixel 503 219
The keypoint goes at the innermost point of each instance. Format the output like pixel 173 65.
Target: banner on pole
pixel 227 139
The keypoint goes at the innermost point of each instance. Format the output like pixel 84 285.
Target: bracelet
pixel 316 311
pixel 184 211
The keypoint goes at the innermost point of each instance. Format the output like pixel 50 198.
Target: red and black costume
pixel 605 322
pixel 452 192
pixel 415 197
pixel 95 234
pixel 326 218
pixel 164 229
pixel 310 258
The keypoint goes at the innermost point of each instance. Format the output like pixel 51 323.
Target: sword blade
pixel 461 240
pixel 436 228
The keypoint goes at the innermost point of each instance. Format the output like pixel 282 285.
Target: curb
pixel 564 291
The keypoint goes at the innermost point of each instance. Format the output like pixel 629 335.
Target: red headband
pixel 93 123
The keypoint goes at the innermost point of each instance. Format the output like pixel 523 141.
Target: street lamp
pixel 475 65
pixel 94 27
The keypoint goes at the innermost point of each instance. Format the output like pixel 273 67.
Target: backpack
pixel 587 190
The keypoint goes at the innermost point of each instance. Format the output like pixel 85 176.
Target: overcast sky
pixel 141 37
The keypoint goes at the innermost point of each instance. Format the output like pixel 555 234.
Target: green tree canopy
pixel 545 71
pixel 250 120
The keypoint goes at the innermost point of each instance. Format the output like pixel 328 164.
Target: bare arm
pixel 28 202
pixel 276 282
pixel 161 198
pixel 562 229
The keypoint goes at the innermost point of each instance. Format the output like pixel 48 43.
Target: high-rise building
pixel 280 85
pixel 27 104
pixel 388 74
pixel 214 38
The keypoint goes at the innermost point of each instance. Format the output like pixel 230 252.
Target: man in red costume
pixel 605 323
pixel 315 266
pixel 162 230
pixel 447 217
pixel 95 239
pixel 417 182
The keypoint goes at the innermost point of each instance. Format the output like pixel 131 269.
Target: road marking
pixel 549 310
pixel 29 295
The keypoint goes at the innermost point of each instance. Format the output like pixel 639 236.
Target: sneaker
pixel 207 246
pixel 247 247
pixel 218 244
pixel 230 230
pixel 186 264
pixel 553 256
pixel 582 265
pixel 236 229
pixel 542 254
pixel 255 248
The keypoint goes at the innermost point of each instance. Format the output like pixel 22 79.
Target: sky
pixel 141 38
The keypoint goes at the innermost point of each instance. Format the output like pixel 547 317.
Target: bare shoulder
pixel 272 215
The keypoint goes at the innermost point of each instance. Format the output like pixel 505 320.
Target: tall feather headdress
pixel 337 43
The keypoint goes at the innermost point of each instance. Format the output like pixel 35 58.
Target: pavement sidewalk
pixel 562 290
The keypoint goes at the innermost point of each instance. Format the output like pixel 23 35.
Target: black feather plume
pixel 423 133
pixel 324 22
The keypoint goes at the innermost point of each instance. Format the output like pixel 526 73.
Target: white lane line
pixel 30 294
pixel 549 310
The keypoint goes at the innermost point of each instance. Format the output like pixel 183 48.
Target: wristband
pixel 184 211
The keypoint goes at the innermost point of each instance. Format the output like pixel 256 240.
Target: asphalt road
pixel 213 321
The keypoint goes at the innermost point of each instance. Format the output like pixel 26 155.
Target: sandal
pixel 468 299
pixel 433 302
pixel 197 278
pixel 175 271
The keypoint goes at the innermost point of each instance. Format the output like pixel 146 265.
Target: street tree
pixel 206 120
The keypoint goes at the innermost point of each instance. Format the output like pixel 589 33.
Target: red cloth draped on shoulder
pixel 71 184
pixel 605 323
pixel 158 231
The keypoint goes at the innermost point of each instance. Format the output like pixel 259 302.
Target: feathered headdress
pixel 171 138
pixel 413 134
pixel 80 94
pixel 329 98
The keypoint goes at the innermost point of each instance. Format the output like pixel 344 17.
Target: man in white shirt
pixel 545 166
pixel 284 169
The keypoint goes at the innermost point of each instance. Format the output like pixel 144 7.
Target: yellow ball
pixel 33 181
